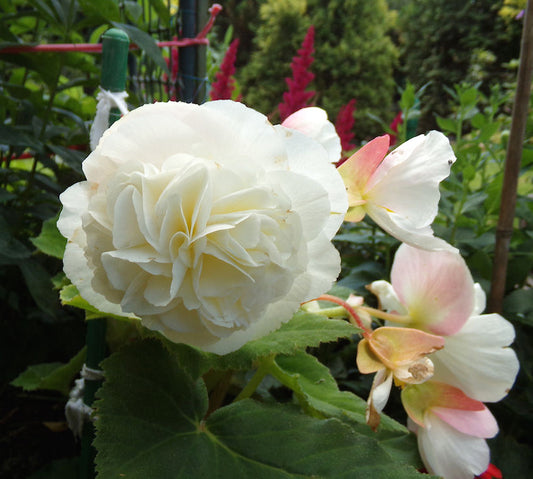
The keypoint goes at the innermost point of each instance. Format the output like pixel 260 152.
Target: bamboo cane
pixel 512 165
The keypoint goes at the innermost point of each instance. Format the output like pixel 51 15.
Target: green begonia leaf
pixel 51 376
pixel 151 424
pixel 70 296
pixel 50 241
pixel 303 330
pixel 318 392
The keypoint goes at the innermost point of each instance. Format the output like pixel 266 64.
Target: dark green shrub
pixel 446 42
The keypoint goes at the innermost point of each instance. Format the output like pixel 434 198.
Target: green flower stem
pixel 264 368
pixel 335 312
pixel 377 313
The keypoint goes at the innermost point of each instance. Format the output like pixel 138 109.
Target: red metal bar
pixel 200 39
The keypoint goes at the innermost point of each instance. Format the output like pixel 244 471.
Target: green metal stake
pixel 115 46
pixel 201 53
pixel 187 56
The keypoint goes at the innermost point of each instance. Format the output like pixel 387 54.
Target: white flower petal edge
pixel 449 453
pixel 477 360
pixel 313 122
pixel 388 299
pixel 205 221
pixel 403 193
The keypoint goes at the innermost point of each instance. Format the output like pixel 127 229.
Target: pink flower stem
pixel 352 314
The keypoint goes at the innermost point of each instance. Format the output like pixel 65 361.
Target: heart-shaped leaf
pixel 152 424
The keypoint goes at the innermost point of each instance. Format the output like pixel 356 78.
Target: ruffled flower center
pixel 196 234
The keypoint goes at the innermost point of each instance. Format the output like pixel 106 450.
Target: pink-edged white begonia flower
pixel 451 429
pixel 205 221
pixel 313 122
pixel 399 190
pixel 435 292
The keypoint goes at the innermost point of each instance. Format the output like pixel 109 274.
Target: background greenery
pixel 457 59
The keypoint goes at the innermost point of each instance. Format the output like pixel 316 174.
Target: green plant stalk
pixel 115 44
pixel 264 368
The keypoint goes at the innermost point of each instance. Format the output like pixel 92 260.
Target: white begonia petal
pixel 381 388
pixel 480 300
pixel 206 221
pixel 407 180
pixel 74 200
pixel 402 195
pixel 306 157
pixel 449 453
pixel 313 122
pixel 402 229
pixel 436 288
pixel 477 360
pixel 78 271
pixel 387 297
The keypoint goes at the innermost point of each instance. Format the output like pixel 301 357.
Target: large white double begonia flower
pixel 206 222
pixel 400 190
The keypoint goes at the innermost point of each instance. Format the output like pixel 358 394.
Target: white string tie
pixel 106 100
pixel 76 411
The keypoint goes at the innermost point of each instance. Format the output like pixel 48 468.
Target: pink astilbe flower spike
pixel 224 84
pixel 344 126
pixel 395 126
pixel 297 97
pixel 399 190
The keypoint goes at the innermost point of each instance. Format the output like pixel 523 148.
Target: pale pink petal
pixel 449 453
pixel 417 399
pixel 358 169
pixel 474 423
pixel 477 360
pixel 436 288
pixel 313 122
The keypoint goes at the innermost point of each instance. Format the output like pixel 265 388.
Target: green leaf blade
pixel 151 424
pixel 51 376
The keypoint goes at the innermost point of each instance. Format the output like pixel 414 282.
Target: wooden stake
pixel 512 165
